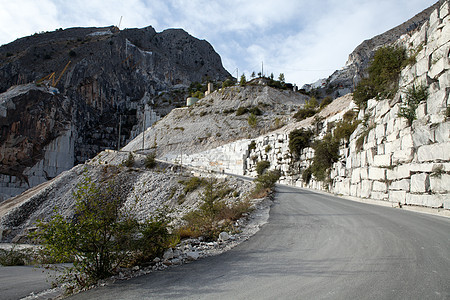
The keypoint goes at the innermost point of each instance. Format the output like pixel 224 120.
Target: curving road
pixel 314 246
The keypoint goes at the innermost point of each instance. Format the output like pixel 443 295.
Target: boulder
pixel 397 197
pixel 382 160
pixel 440 183
pixel 434 200
pixel 434 152
pixel 402 185
pixel 436 102
pixel 379 186
pixel 377 173
pixel 168 254
pixel 420 183
pixel 192 255
pixel 403 156
pixel 442 132
pixel 366 188
pixel 223 236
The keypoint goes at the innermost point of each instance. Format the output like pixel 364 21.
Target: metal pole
pixel 143 128
pixel 120 127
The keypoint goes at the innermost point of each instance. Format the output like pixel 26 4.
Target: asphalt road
pixel 20 281
pixel 314 246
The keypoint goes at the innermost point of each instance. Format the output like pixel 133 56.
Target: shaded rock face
pixel 33 119
pixel 113 77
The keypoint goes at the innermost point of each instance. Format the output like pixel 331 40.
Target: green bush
pixel 14 257
pixel 267 180
pixel 101 236
pixel 198 94
pixel 308 110
pixel 345 128
pixel 414 96
pixel 228 82
pixel 384 71
pixel 304 113
pixel 299 139
pixel 268 148
pixel 326 153
pixel 214 215
pixel 262 166
pixel 241 111
pixel 325 102
pixel 129 162
pixel 256 111
pixel 243 80
pixel 252 120
pixel 306 175
pixel 193 183
pixel 150 161
pixel 364 91
pixel 251 146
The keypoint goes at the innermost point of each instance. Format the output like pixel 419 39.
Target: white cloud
pixel 304 39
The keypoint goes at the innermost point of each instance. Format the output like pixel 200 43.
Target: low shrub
pixel 306 175
pixel 299 139
pixel 14 257
pixel 304 113
pixel 265 183
pixel 252 120
pixel 324 103
pixel 241 111
pixel 262 166
pixel 193 183
pixel 414 96
pixel 101 236
pixel 326 152
pixel 214 215
pixel 251 146
pixel 150 161
pixel 129 162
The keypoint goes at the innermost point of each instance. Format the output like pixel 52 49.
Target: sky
pixel 304 39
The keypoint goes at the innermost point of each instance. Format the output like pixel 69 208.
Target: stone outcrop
pixel 125 79
pixel 344 80
pixel 216 120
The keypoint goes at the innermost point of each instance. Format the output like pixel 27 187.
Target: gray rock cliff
pixel 114 77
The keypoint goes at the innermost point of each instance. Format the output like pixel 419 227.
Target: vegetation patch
pixel 101 236
pixel 384 71
pixel 308 110
pixel 129 162
pixel 326 152
pixel 214 215
pixel 251 146
pixel 150 160
pixel 265 183
pixel 299 139
pixel 193 183
pixel 414 96
pixel 262 166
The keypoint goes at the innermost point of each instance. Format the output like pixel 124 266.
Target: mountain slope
pixel 115 80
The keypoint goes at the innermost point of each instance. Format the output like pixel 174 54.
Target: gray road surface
pixel 19 282
pixel 314 246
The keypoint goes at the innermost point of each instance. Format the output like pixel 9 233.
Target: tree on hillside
pixel 281 78
pixel 101 236
pixel 243 80
pixel 253 75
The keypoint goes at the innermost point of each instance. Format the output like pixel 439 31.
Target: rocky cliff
pixel 115 80
pixel 344 80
